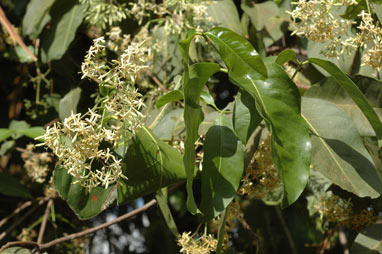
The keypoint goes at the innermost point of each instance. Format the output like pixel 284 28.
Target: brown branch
pixel 44 221
pixel 156 81
pixel 26 215
pixel 15 212
pixel 87 231
pixel 11 30
pixel 22 243
pixel 99 227
pixel 286 230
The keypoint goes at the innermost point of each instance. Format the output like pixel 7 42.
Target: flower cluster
pixel 176 15
pixel 370 37
pixel 84 143
pixel 36 164
pixel 314 20
pixel 77 143
pixel 103 13
pixel 261 176
pixel 197 245
pixel 337 210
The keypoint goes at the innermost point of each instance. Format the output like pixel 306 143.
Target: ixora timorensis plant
pixel 302 132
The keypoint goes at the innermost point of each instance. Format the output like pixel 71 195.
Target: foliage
pixel 254 125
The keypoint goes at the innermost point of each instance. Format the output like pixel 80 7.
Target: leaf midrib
pixel 330 152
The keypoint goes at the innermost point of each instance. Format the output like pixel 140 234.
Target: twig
pixel 88 231
pixel 5 22
pixel 44 221
pixel 15 212
pixel 16 223
pixel 22 243
pixel 99 227
pixel 286 230
pixel 156 80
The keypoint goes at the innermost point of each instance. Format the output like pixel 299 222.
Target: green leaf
pixel 225 14
pixel 150 164
pixel 67 16
pixel 354 93
pixel 10 186
pixel 338 151
pixel 193 82
pixel 18 128
pixel 34 132
pixel 353 10
pixel 278 102
pixel 172 96
pixel 245 117
pixel 23 56
pixel 232 47
pixel 17 250
pixel 368 240
pixel 5 133
pixel 36 17
pixel 328 89
pixel 162 199
pixel 7 146
pixel 165 127
pixel 85 204
pixel 261 13
pixel 378 11
pixel 223 166
pixel 285 56
pixel 68 103
pixel 208 99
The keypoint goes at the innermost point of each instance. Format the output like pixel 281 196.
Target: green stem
pixel 299 66
pixel 368 7
pixel 224 70
pixel 222 222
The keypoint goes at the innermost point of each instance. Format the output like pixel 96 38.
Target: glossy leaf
pixel 10 186
pixel 338 151
pixel 172 96
pixel 5 133
pixel 223 166
pixel 68 104
pixel 162 199
pixel 278 102
pixel 245 117
pixel 67 17
pixel 36 17
pixel 368 240
pixel 238 53
pixel 198 74
pixel 150 164
pixel 328 89
pixel 230 19
pixel 354 93
pixel 85 204
pixel 208 99
pixel 285 56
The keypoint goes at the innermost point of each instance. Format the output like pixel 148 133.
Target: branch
pixel 15 212
pixel 44 221
pixel 83 233
pixel 19 221
pixel 99 227
pixel 286 230
pixel 156 81
pixel 5 22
